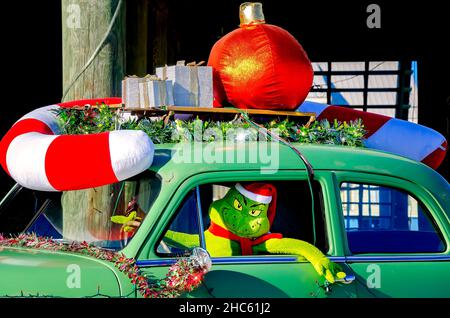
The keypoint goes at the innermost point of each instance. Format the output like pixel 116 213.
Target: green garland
pixel 183 276
pixel 100 119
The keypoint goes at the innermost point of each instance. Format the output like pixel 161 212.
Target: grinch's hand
pixel 130 222
pixel 330 270
pixel 130 226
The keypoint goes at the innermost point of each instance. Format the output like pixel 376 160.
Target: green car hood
pixel 30 272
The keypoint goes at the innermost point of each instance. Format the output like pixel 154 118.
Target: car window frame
pixel 149 258
pixel 418 192
pixel 198 221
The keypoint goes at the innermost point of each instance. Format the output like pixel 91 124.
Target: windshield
pixel 106 216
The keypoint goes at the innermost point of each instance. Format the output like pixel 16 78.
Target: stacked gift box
pixel 146 92
pixel 178 85
pixel 192 83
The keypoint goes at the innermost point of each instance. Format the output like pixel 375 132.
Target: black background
pixel 327 30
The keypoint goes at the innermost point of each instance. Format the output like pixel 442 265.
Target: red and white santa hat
pixel 264 193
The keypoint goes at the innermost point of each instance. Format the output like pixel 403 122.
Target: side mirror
pixel 201 258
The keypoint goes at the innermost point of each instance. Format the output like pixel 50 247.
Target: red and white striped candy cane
pixel 392 135
pixel 34 154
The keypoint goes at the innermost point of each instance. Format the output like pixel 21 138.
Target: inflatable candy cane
pixel 34 154
pixel 392 135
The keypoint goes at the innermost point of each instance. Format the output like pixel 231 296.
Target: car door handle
pixel 346 280
pixel 328 287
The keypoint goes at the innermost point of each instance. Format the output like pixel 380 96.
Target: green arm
pixel 321 263
pixel 181 239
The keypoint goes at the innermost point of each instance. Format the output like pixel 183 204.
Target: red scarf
pixel 245 243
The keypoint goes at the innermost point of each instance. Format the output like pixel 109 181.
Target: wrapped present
pixel 130 91
pixel 192 83
pixel 154 92
pixel 146 92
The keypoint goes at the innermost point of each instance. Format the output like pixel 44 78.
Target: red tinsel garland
pixel 183 276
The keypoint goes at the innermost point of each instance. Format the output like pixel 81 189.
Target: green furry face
pixel 240 215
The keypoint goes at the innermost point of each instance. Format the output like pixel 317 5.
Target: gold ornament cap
pixel 251 13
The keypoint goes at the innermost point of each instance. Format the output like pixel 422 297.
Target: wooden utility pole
pixel 84 24
pixel 87 213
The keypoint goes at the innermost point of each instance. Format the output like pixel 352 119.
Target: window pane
pixel 320 66
pixel 184 228
pixel 347 66
pixel 291 219
pixel 381 98
pixel 347 98
pixel 347 81
pixel 387 220
pixel 375 210
pixel 385 66
pixel 365 197
pixel 345 208
pixel 365 210
pixel 107 216
pixel 383 81
pixel 354 209
pixel 320 81
pixel 374 196
pixel 219 192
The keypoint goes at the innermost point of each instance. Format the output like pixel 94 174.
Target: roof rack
pixel 212 112
pixel 222 112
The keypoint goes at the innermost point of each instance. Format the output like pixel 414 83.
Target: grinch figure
pixel 240 225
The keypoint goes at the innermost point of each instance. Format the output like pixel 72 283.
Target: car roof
pixel 186 159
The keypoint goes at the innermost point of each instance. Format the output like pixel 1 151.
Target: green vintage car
pixel 385 219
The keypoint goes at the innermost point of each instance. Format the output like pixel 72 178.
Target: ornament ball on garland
pixel 259 65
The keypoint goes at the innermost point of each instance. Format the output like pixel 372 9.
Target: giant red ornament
pixel 259 65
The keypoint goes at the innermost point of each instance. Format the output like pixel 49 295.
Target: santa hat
pixel 260 192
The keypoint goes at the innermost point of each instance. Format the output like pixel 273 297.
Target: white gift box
pixel 130 91
pixel 155 93
pixel 146 92
pixel 192 84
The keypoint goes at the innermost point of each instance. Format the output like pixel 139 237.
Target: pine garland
pixel 100 119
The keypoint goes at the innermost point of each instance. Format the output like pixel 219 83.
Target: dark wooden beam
pixel 138 37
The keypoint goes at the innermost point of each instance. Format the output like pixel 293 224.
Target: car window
pixel 49 223
pixel 20 208
pixel 107 216
pixel 380 219
pixel 110 215
pixel 293 217
pixel 184 224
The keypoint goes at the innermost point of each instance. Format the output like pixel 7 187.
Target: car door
pixel 243 276
pixel 396 240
